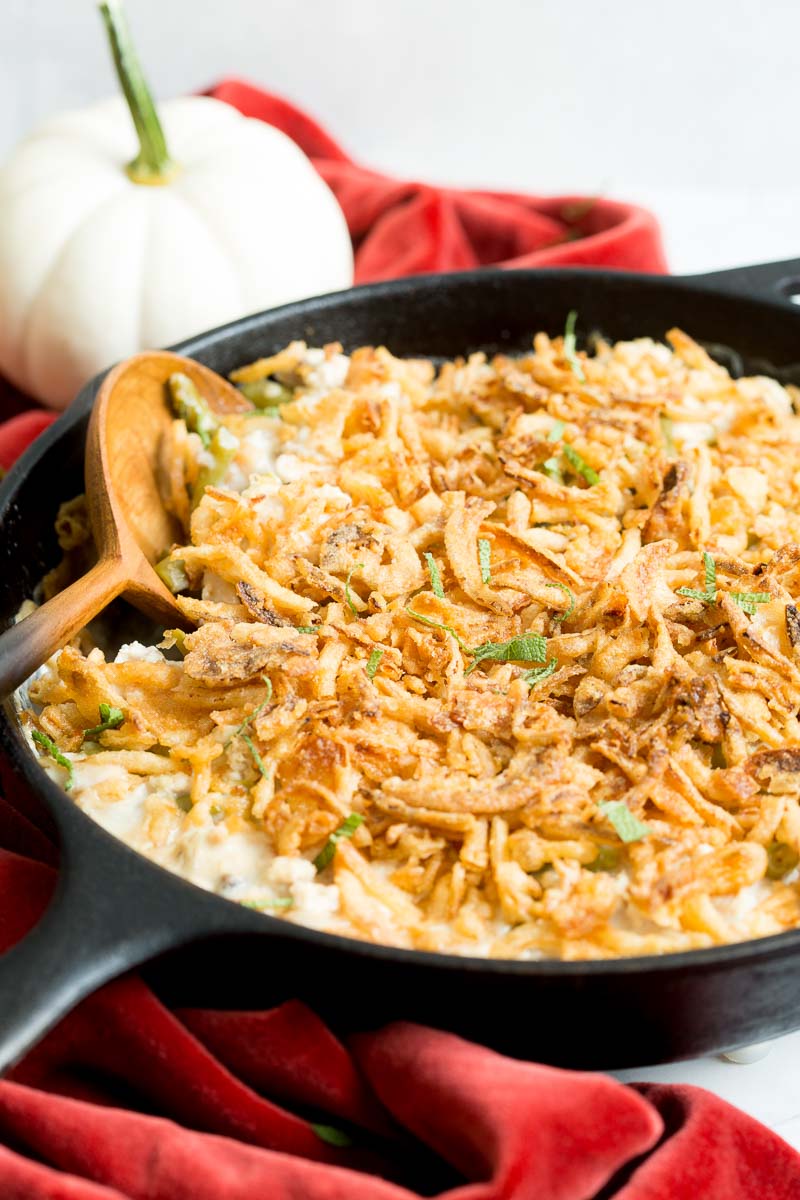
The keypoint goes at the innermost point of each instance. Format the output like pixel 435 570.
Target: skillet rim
pixel 72 822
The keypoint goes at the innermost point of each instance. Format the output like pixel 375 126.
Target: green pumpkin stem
pixel 152 164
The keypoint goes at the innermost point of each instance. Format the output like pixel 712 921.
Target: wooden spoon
pixel 132 529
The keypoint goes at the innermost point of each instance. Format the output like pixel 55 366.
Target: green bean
pixel 223 449
pixel 608 859
pixel 192 407
pixel 266 393
pixel 172 572
pixel 781 859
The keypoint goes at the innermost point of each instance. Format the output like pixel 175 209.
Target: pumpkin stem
pixel 152 164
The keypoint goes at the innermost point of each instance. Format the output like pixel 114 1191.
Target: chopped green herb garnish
pixel 709 596
pixel 307 629
pixel 569 346
pixel 557 432
pixel 49 746
pixel 252 716
pixel 331 1135
pixel 710 573
pixel 538 674
pixel 552 468
pixel 528 647
pixel 579 464
pixel 608 859
pixel 485 560
pixel 192 407
pixel 438 625
pixel 257 759
pixel 668 434
pixel 110 718
pixel 345 830
pixel 184 802
pixel 373 662
pixel 629 827
pixel 749 601
pixel 569 611
pixel 348 594
pixel 172 572
pixel 436 579
pixel 259 905
pixel 266 393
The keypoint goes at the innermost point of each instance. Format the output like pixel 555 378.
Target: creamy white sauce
pixel 137 652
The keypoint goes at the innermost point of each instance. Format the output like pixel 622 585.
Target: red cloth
pixel 128 1099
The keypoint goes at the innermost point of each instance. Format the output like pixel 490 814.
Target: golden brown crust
pixel 417 516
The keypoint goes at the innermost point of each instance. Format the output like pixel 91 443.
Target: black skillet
pixel 114 910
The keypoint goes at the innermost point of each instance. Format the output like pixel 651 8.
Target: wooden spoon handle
pixel 28 644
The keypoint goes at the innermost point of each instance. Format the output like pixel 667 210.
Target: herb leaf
pixel 485 560
pixel 629 827
pixel 438 625
pixel 579 464
pixel 110 718
pixel 557 432
pixel 251 716
pixel 537 674
pixel 552 469
pixel 709 596
pixel 528 647
pixel 307 628
pixel 569 611
pixel 278 902
pixel 710 571
pixel 332 1135
pixel 348 594
pixel 436 579
pixel 345 830
pixel 373 662
pixel 749 601
pixel 569 346
pixel 257 759
pixel 49 746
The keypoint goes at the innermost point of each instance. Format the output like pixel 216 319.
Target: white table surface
pixel 688 112
pixel 768 1089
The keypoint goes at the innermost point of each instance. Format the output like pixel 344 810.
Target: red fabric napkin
pixel 126 1099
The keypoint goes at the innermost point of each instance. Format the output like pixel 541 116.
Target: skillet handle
pixel 104 918
pixel 777 281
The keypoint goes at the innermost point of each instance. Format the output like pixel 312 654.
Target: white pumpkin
pixel 95 266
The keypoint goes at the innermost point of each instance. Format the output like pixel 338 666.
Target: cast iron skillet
pixel 113 909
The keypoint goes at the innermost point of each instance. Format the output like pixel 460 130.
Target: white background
pixel 690 107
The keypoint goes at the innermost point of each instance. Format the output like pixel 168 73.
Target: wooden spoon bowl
pixel 132 529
